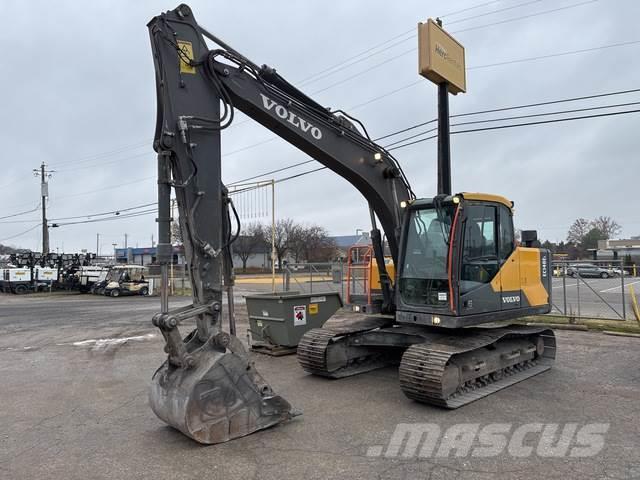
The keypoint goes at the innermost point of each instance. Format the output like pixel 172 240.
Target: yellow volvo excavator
pixel 458 266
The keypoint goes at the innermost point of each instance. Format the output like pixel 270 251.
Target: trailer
pixel 90 275
pixel 44 277
pixel 17 280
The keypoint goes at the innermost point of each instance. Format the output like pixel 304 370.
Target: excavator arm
pixel 208 387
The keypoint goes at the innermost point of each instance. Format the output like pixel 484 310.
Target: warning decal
pixel 186 52
pixel 313 308
pixel 299 315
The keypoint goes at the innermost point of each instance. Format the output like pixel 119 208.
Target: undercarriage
pixel 447 368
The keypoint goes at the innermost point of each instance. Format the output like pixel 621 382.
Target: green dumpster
pixel 280 319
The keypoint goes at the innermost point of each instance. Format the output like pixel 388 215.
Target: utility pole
pixel 125 240
pixel 97 244
pixel 44 175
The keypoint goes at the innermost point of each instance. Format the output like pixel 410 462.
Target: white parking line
pixel 619 286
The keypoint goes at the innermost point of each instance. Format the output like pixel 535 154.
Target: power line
pixel 514 107
pixel 21 233
pixel 348 62
pixel 21 213
pixel 477 27
pixel 521 60
pixel 107 219
pixel 473 7
pixel 477 130
pixel 291 177
pixel 271 172
pixel 113 212
pixel 524 4
pixel 100 163
pixel 146 142
pixel 89 192
pixel 103 154
pixel 137 145
pixel 501 109
pixel 553 55
pixel 540 122
pixel 509 20
pixel 518 117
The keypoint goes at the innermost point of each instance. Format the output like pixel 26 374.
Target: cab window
pixel 480 247
pixel 507 240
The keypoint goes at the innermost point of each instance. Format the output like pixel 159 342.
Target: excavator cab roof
pixel 476 196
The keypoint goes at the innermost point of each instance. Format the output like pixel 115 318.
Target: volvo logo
pixel 291 117
pixel 511 299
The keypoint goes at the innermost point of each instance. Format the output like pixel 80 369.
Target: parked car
pixel 619 272
pixel 588 270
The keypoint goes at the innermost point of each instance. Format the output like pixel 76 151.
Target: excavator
pixel 459 268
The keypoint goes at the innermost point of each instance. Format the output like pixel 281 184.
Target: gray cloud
pixel 78 81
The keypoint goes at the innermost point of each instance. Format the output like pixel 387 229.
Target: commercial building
pixel 619 249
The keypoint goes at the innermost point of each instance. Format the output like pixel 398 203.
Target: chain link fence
pixel 314 277
pixel 580 289
pixel 593 289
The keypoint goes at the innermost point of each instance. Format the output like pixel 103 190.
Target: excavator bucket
pixel 221 397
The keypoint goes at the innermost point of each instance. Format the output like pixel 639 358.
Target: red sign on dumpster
pixel 299 315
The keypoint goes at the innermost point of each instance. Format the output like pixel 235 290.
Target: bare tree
pixel 251 238
pixel 578 230
pixel 317 246
pixel 284 237
pixel 607 226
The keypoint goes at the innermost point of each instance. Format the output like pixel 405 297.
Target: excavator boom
pixel 208 388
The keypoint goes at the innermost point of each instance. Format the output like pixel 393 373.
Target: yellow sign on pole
pixel 441 57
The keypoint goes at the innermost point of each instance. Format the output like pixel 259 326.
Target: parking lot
pixel 594 297
pixel 75 371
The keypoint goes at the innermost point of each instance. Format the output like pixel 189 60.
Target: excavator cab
pixel 461 265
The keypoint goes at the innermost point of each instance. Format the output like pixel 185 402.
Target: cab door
pixel 508 280
pixel 479 261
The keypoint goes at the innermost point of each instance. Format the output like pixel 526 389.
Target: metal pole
pixel 624 307
pixel 578 292
pixel 444 145
pixel 44 193
pixel 273 236
pixel 342 280
pixel 564 288
pixel 310 279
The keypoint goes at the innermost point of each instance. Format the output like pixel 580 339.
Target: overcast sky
pixel 77 88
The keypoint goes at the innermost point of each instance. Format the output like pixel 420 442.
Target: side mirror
pixel 529 237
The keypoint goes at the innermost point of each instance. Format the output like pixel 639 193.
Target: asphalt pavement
pixel 73 405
